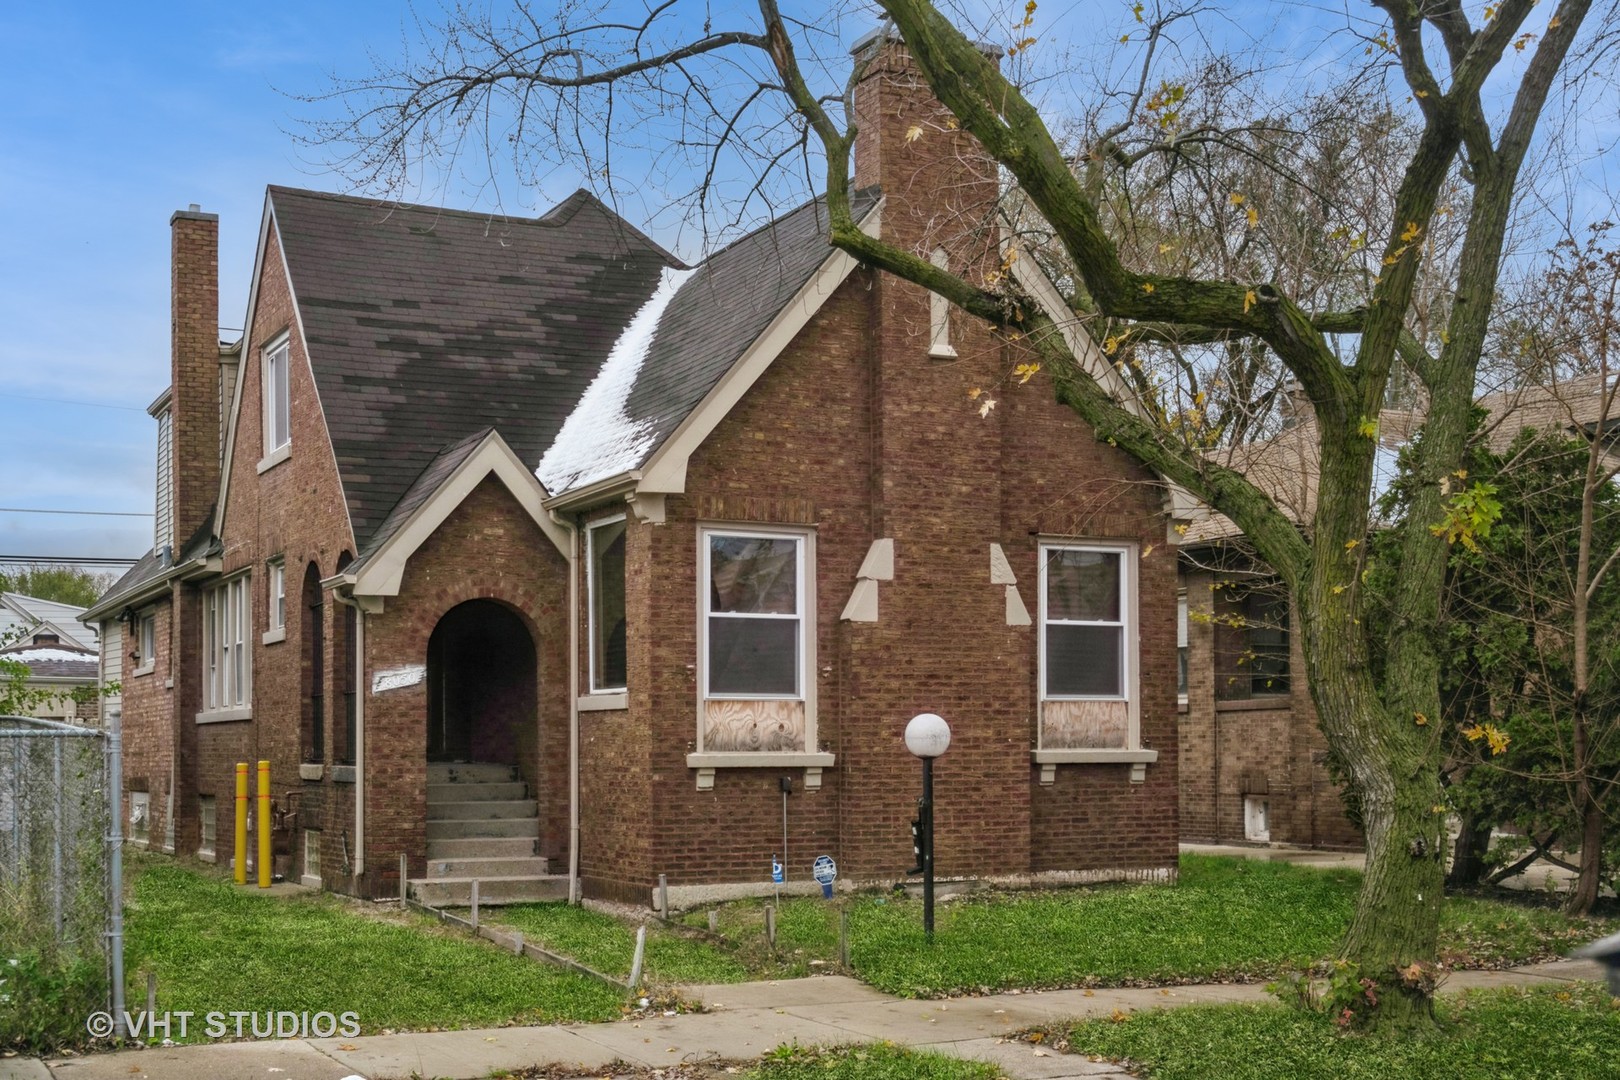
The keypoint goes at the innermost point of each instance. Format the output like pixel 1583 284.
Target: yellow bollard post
pixel 241 822
pixel 264 824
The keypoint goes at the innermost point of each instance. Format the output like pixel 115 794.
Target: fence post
pixel 475 905
pixel 639 957
pixel 115 874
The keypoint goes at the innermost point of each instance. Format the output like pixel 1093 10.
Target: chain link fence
pixel 56 856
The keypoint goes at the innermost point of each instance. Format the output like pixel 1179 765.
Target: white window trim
pixel 305 878
pixel 147 650
pixel 593 691
pixel 811 758
pixel 1183 641
pixel 274 452
pixel 205 849
pixel 1133 752
pixel 275 580
pixel 939 316
pixel 238 704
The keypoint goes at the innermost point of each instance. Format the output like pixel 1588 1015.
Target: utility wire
pixel 84 513
pixel 68 401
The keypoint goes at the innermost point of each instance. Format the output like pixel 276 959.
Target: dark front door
pixel 481 684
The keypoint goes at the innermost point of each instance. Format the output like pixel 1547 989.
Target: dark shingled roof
pixel 425 325
pixel 721 310
pixel 437 472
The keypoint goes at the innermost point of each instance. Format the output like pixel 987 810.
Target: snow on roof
pixel 599 440
pixel 41 655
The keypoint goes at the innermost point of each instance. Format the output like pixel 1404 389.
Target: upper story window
pixel 277 423
pixel 145 644
pixel 227 665
pixel 1085 622
pixel 604 543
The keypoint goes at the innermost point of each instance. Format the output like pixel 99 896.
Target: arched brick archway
pixel 481 684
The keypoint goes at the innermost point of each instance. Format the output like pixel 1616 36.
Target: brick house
pixel 529 553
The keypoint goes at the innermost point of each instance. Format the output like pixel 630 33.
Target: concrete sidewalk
pixel 743 1021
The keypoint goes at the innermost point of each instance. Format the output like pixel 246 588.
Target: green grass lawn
pixel 1540 1034
pixel 1224 919
pixel 217 947
pixel 878 1061
pixel 608 944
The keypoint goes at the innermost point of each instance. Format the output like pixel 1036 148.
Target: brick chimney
pixel 194 334
pixel 938 183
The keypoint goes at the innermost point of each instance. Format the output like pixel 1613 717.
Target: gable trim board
pixel 379 573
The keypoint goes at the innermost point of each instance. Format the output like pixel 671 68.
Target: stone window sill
pixel 811 763
pixel 604 702
pixel 271 637
pixel 1265 701
pixel 1138 760
pixel 145 670
pixel 343 774
pixel 274 458
pixel 311 770
pixel 221 716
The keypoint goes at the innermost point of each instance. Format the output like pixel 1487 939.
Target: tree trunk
pixel 1468 854
pixel 1585 892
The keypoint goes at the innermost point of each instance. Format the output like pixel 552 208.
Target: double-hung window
pixel 275 596
pixel 756 630
pixel 277 402
pixel 146 644
pixel 227 666
pixel 604 542
pixel 1087 647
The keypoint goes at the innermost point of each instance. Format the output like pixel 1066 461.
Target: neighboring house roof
pixel 27 615
pixel 55 661
pixel 1286 468
pixel 1572 406
pixel 683 341
pixel 425 326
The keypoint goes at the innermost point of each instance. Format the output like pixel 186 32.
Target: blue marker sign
pixel 777 874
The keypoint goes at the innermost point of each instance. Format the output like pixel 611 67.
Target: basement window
pixel 205 815
pixel 1256 819
pixel 140 817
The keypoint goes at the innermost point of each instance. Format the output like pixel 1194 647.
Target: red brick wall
pixel 148 721
pixel 1235 746
pixel 488 548
pixel 294 511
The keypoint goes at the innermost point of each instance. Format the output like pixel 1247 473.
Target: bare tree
pixel 759 103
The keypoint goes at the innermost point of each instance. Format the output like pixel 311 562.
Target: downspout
pixel 347 600
pixel 573 704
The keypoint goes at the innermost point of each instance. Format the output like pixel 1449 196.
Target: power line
pixel 65 560
pixel 69 401
pixel 84 513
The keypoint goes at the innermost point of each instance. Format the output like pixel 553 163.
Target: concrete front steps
pixel 481 826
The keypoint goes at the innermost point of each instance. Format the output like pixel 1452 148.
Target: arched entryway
pixel 481 684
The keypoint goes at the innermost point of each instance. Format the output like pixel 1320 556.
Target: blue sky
pixel 118 114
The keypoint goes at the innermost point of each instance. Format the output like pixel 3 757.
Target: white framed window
pixel 1181 645
pixel 939 316
pixel 1256 819
pixel 145 644
pixel 753 632
pixel 209 828
pixel 1085 630
pixel 275 599
pixel 140 817
pixel 227 665
pixel 277 422
pixel 1088 658
pixel 604 551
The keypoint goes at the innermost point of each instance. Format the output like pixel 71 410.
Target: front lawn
pixel 1225 919
pixel 217 947
pixel 1540 1034
pixel 608 945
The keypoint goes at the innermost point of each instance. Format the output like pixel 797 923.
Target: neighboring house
pixel 61 667
pixel 525 552
pixel 22 617
pixel 1253 759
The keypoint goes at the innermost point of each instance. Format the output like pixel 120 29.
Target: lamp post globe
pixel 928 735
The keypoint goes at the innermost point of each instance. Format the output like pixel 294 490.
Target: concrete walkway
pixel 743 1022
